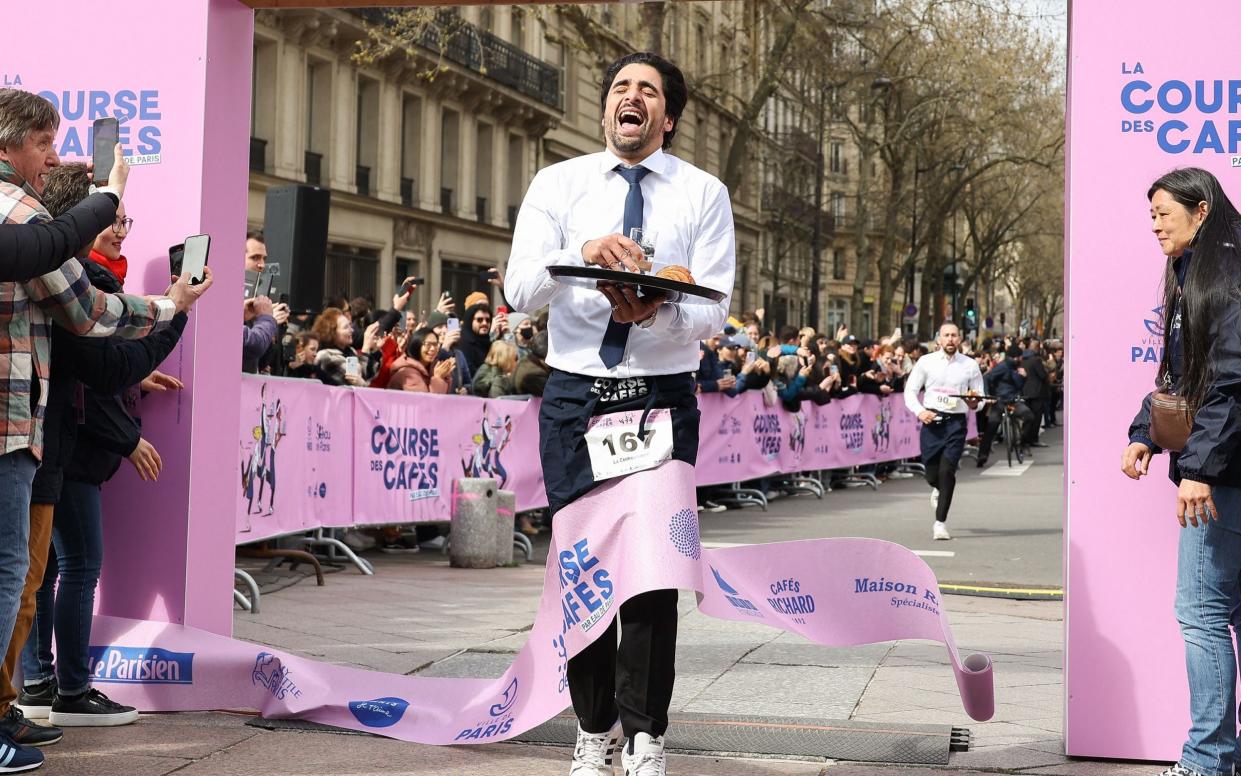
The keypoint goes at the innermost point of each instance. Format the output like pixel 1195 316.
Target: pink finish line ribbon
pixel 630 536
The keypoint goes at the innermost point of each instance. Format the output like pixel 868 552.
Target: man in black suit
pixel 1036 390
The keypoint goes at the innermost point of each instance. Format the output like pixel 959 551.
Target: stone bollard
pixel 506 510
pixel 472 542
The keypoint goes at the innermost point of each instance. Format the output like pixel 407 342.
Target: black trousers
pixel 1037 410
pixel 943 442
pixel 632 680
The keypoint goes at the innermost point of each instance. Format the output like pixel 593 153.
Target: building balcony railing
pixel 480 51
pixel 314 168
pixel 795 207
pixel 799 141
pixel 258 154
pixel 407 192
pixel 362 177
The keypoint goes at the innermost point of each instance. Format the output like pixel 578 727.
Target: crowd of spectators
pixel 487 351
pixel 794 365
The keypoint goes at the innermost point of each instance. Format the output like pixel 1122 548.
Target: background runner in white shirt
pixel 944 374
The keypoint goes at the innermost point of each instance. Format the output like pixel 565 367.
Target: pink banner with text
pixel 310 455
pixel 632 535
pixel 1139 106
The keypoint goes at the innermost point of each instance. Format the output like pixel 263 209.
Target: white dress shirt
pixel 941 376
pixel 582 199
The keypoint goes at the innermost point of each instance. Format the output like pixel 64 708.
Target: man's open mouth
pixel 630 117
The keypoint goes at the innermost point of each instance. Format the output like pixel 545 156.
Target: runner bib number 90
pixel 941 399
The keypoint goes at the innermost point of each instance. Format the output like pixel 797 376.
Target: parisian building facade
pixel 428 154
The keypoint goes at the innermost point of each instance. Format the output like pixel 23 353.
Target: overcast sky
pixel 1049 15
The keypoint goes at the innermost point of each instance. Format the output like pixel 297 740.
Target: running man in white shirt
pixel 945 375
pixel 614 352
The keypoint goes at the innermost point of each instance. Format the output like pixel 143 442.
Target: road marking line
pixel 1004 470
pixel 923 553
pixel 1015 590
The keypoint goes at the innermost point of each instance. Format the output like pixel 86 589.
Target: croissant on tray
pixel 676 272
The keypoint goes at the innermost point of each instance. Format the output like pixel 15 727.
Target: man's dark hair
pixel 789 334
pixel 66 186
pixel 359 309
pixel 676 94
pixel 256 234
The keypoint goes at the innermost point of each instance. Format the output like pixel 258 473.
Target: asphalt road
pixel 1007 530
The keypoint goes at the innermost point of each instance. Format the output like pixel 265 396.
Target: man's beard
pixel 628 144
pixel 951 349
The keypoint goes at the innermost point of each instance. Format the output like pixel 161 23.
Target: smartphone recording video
pixel 175 256
pixel 195 260
pixel 106 132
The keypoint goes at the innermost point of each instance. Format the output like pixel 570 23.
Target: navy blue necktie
pixel 612 351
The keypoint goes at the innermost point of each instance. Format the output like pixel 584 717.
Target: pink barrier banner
pixel 633 535
pixel 742 438
pixel 409 448
pixel 341 457
pixel 292 442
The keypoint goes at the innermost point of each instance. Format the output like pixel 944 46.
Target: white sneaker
pixel 940 531
pixel 595 752
pixel 935 498
pixel 644 756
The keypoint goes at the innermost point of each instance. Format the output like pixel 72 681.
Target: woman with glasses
pixel 420 369
pixel 106 251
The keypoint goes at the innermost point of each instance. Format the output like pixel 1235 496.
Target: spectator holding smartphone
pixel 448 329
pixel 79 456
pixel 260 327
pixel 337 362
pixel 28 125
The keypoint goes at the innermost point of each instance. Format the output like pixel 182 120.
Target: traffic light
pixel 971 317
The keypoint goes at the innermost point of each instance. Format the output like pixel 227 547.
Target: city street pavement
pixel 1007 530
pixel 418 616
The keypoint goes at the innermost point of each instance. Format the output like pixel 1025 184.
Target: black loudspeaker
pixel 295 227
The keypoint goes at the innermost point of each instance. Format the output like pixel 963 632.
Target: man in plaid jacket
pixel 65 298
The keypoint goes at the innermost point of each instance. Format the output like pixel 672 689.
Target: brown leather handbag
pixel 1170 421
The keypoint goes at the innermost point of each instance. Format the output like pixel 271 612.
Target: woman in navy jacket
pixel 1197 229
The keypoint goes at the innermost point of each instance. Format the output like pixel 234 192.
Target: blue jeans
pixel 1208 575
pixel 66 610
pixel 16 475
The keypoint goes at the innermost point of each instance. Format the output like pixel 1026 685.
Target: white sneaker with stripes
pixel 595 752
